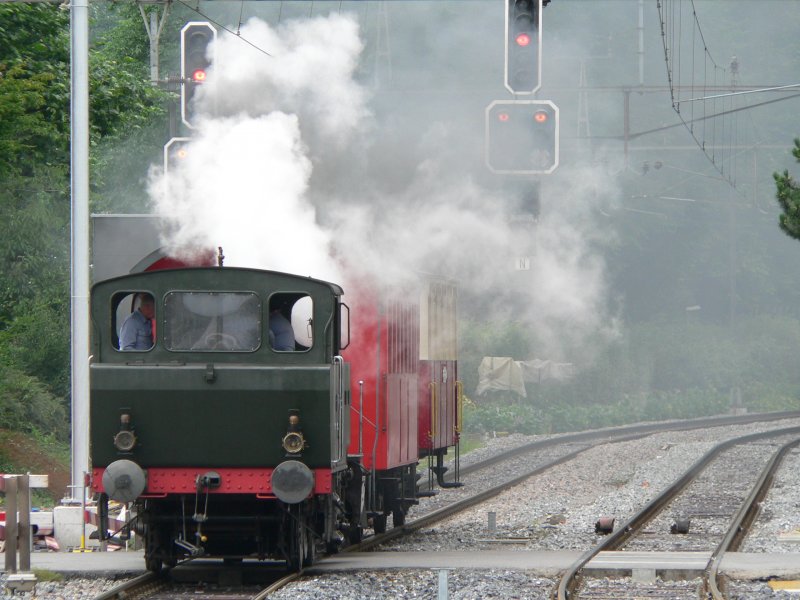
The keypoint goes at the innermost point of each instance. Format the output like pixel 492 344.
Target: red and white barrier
pixel 41 524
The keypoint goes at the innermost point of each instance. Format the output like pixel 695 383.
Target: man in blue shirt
pixel 137 330
pixel 281 334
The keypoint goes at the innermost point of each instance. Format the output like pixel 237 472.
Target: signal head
pixel 523 46
pixel 522 137
pixel 196 39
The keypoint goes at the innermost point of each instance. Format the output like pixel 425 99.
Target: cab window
pixel 133 321
pixel 291 322
pixel 212 321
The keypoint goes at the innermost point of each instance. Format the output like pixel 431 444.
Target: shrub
pixel 27 405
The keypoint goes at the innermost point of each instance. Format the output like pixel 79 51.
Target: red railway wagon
pixel 440 391
pixel 405 393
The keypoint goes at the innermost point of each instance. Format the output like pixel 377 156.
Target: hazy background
pixel 354 130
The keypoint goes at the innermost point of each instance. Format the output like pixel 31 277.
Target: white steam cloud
pixel 459 229
pixel 243 183
pixel 272 120
pixel 308 72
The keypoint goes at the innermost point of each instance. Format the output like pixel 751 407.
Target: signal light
pixel 175 151
pixel 521 137
pixel 196 37
pixel 523 46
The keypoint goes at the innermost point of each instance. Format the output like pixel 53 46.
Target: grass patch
pixel 43 575
pixel 469 442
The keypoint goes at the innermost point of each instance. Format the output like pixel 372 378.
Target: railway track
pixel 203 581
pixel 738 510
pixel 548 454
pixel 596 435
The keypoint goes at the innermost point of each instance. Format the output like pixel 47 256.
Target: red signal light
pixel 503 117
pixel 540 116
pixel 199 75
pixel 523 39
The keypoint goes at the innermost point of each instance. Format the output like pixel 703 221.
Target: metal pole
pixel 79 36
pixel 154 32
pixel 641 42
pixel 83 513
pixel 361 417
pixel 626 119
pixel 154 29
pixel 12 528
pixel 24 522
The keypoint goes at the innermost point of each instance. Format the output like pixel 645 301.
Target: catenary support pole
pixel 79 282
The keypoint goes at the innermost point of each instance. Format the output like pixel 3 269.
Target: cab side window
pixel 291 322
pixel 134 321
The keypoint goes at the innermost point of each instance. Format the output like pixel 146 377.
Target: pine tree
pixel 788 195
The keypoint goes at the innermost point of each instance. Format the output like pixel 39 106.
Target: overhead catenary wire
pixel 223 27
pixel 720 129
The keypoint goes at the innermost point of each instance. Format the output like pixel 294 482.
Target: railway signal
pixel 523 47
pixel 521 137
pixel 196 37
pixel 175 151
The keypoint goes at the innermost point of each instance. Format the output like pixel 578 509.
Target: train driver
pixel 281 334
pixel 137 329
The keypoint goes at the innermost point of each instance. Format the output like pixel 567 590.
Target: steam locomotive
pixel 226 443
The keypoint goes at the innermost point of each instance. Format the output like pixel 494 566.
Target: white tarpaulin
pixel 504 374
pixel 500 374
pixel 537 371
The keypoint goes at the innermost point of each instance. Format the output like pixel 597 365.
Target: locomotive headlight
pixel 125 439
pixel 293 442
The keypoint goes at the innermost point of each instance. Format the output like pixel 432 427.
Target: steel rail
pixel 135 588
pixel 595 434
pixel 274 587
pixel 743 521
pixel 571 579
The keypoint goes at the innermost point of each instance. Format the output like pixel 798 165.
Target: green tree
pixel 789 198
pixel 34 197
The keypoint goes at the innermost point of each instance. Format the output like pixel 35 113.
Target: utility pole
pixel 79 250
pixel 584 131
pixel 153 26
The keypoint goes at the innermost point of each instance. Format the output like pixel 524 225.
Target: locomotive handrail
pixel 361 417
pixel 459 406
pixel 434 412
pixel 338 419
